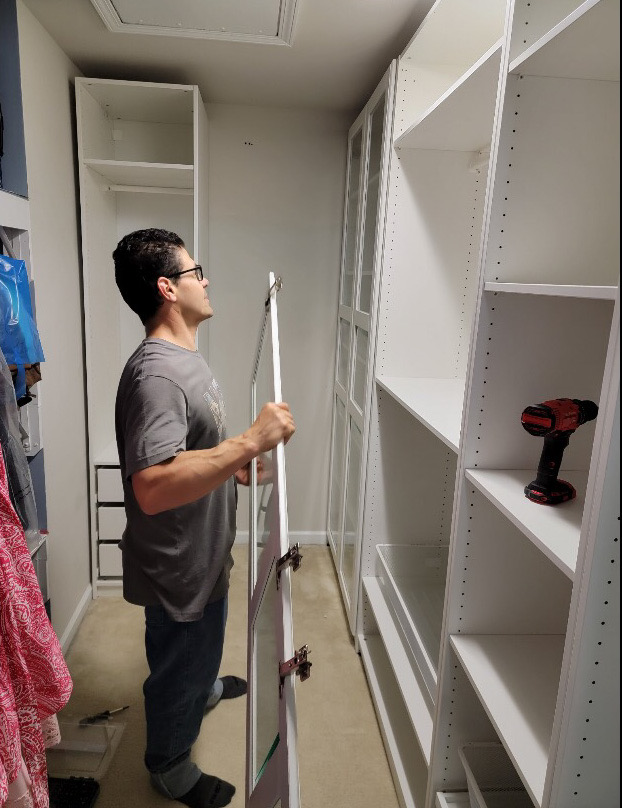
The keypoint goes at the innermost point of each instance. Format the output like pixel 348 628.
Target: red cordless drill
pixel 556 420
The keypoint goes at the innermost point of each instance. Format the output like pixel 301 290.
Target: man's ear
pixel 167 289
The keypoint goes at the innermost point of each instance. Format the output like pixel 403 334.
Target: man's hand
pixel 274 424
pixel 264 471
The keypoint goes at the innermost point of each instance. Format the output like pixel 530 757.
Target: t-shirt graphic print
pixel 216 404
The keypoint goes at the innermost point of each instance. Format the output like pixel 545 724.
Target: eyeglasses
pixel 198 271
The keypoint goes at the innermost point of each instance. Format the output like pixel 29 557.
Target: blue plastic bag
pixel 19 338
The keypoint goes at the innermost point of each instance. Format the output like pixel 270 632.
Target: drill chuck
pixel 558 415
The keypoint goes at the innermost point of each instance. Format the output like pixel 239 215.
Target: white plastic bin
pixel 491 777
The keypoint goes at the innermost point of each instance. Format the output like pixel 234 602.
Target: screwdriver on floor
pixel 103 716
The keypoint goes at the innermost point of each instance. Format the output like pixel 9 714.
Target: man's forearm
pixel 191 475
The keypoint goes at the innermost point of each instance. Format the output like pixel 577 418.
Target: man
pixel 179 474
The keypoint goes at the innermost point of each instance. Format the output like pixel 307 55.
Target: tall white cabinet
pixel 369 144
pixel 142 154
pixel 483 617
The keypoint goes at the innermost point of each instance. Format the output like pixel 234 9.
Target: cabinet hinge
pixel 298 665
pixel 292 558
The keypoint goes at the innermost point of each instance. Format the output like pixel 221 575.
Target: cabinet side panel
pixel 201 201
pixel 556 201
pixel 460 719
pixel 502 583
pixel 412 481
pixel 95 127
pixel 99 238
pixel 435 215
pixel 587 773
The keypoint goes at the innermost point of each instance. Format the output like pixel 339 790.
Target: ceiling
pixel 340 50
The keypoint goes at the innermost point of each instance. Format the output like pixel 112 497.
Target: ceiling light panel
pixel 265 21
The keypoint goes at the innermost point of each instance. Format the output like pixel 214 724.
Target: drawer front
pixel 110 565
pixel 109 485
pixel 111 520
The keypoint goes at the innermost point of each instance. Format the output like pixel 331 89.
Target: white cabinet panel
pixel 111 522
pixel 109 485
pixel 110 565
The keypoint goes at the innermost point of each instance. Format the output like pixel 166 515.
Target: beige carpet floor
pixel 341 755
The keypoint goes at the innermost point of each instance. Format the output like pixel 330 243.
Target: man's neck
pixel 177 333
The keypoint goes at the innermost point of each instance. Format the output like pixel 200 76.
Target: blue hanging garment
pixel 19 338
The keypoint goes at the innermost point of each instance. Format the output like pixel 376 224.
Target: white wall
pixel 278 205
pixel 50 157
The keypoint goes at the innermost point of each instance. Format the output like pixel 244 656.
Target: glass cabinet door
pixel 272 763
pixel 374 166
pixel 351 218
pixel 338 473
pixel 368 158
pixel 352 507
pixel 344 333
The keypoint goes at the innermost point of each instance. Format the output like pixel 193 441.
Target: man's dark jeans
pixel 184 659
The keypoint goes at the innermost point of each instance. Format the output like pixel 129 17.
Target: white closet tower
pixel 142 152
pixel 484 617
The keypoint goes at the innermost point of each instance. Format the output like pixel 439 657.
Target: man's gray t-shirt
pixel 168 402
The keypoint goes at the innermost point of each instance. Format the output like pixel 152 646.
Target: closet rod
pixel 150 189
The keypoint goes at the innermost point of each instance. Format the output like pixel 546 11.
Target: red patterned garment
pixel 34 680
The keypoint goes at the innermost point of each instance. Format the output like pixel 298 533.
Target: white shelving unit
pixel 443 127
pixel 142 152
pixel 499 289
pixel 547 321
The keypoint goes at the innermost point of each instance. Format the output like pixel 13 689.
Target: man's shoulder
pixel 148 362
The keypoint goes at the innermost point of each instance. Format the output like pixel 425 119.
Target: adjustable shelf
pixel 417 706
pixel 143 101
pixel 436 403
pixel 412 580
pixel 516 679
pixel 452 799
pixel 461 120
pixel 554 290
pixel 555 530
pixel 583 45
pixel 457 33
pixel 144 175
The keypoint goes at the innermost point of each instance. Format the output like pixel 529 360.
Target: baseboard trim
pixel 295 536
pixel 76 619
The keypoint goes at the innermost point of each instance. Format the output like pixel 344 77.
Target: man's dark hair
pixel 139 260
